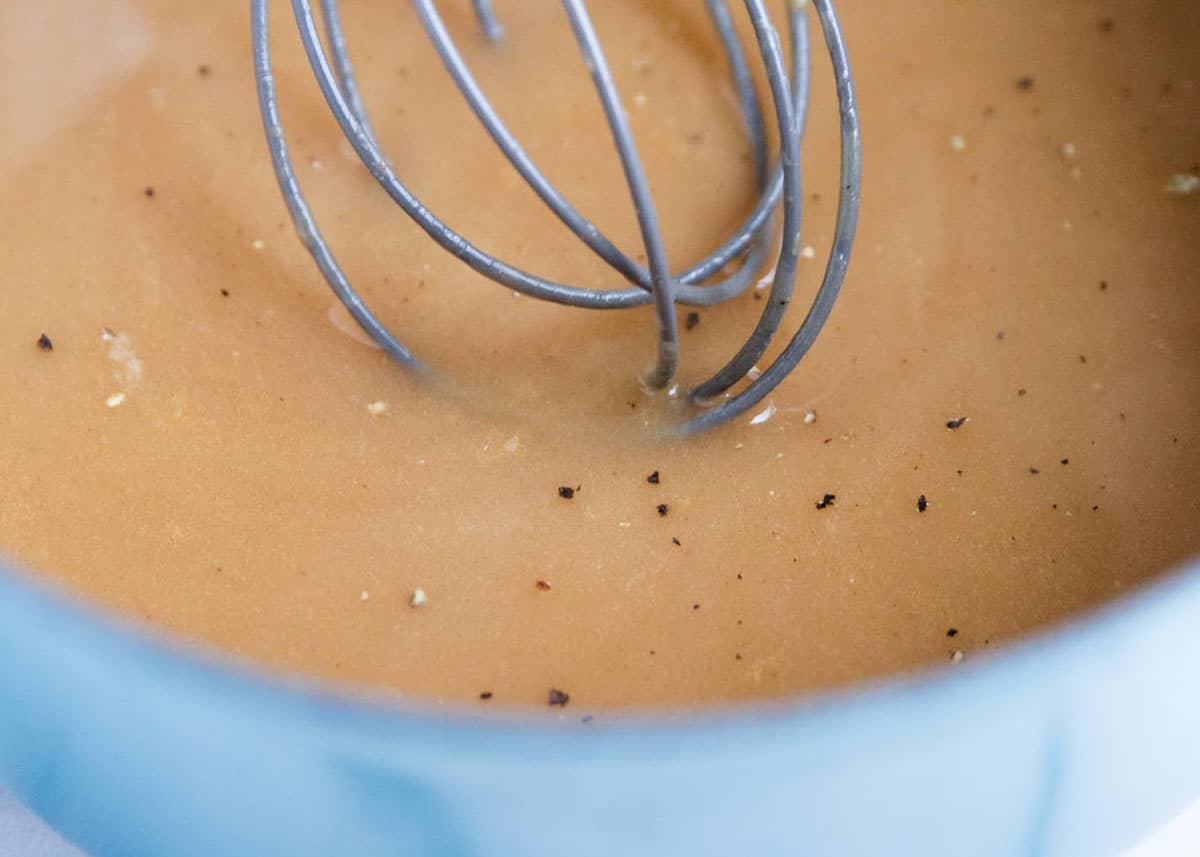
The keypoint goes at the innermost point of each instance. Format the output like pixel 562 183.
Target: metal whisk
pixel 748 247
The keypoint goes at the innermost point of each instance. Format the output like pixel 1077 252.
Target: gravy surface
pixel 197 449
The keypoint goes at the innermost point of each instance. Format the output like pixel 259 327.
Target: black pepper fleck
pixel 922 503
pixel 543 585
pixel 675 541
pixel 956 423
pixel 557 697
pixel 224 293
pixel 826 501
pixel 952 632
pixel 1025 83
pixel 203 70
pixel 487 694
pixel 662 509
pixel 1034 471
pixel 44 343
pixel 1106 25
pixel 1104 285
pixel 653 478
pixel 695 606
pixel 1082 359
pixel 1065 461
pixel 149 192
pixel 566 492
pixel 692 319
pixel 1022 391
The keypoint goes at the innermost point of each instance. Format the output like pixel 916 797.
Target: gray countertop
pixel 23 833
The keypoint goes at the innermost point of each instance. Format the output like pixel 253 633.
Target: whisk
pixel 778 185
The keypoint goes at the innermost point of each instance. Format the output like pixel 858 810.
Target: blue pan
pixel 1074 743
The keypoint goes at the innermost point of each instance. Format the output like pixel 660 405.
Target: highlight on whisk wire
pixel 720 276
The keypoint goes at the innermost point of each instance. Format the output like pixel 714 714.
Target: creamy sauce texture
pixel 210 446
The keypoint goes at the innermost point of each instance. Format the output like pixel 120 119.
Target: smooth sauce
pixel 210 463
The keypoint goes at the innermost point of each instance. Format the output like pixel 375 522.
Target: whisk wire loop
pixel 746 249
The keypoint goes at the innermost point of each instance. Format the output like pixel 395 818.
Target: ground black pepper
pixel 825 501
pixel 543 585
pixel 557 697
pixel 952 632
pixel 922 503
pixel 662 509
pixel 1034 471
pixel 566 492
pixel 487 694
pixel 1024 83
pixel 653 478
pixel 149 192
pixel 675 541
pixel 956 423
pixel 44 343
pixel 692 319
pixel 224 293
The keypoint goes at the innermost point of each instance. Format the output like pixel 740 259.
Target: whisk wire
pixel 487 20
pixel 845 228
pixel 305 224
pixel 342 66
pixel 789 253
pixel 639 190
